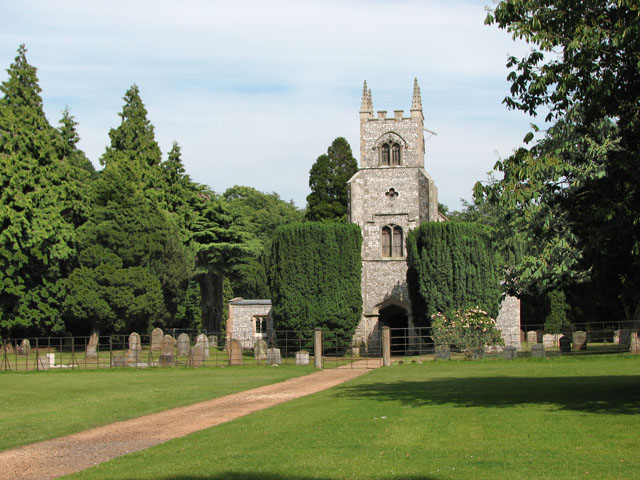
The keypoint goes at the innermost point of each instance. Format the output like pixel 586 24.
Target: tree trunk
pixel 211 287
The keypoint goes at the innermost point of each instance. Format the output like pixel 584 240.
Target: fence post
pixel 317 348
pixel 386 346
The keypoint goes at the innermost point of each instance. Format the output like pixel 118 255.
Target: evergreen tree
pixel 451 267
pixel 40 196
pixel 134 266
pixel 315 278
pixel 328 182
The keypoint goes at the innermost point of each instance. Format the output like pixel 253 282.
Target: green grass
pixel 526 418
pixel 41 405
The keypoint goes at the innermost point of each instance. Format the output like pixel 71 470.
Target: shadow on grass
pixel 598 394
pixel 271 476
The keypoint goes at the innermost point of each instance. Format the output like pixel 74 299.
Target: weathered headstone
pixel 509 352
pixel 616 337
pixel 134 342
pixel 302 357
pixel 133 356
pixel 184 343
pixel 156 339
pixel 43 363
pixel 579 340
pixel 532 336
pixel 537 350
pixel 25 347
pixel 260 350
pixel 235 352
pixel 119 361
pixel 196 356
pixel 624 339
pixel 167 358
pixel 635 343
pixel 523 336
pixel 565 344
pixel 549 340
pixel 203 341
pixel 51 358
pixel 443 352
pixel 273 356
pixel 92 347
pixel 539 334
pixel 213 340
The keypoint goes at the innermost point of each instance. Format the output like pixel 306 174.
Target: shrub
pixel 468 329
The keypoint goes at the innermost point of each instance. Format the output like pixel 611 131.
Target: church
pixel 389 195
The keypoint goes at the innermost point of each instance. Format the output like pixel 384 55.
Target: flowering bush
pixel 468 329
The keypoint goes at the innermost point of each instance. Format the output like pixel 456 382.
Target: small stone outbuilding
pixel 249 321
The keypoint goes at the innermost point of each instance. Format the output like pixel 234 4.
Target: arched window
pixel 392 241
pixel 396 242
pixel 386 241
pixel 390 154
pixel 395 154
pixel 385 157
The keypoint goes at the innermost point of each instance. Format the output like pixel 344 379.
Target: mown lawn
pixel 527 418
pixel 41 405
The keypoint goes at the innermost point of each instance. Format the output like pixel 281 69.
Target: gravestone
pixel 25 347
pixel 509 352
pixel 132 357
pixel 167 358
pixel 579 340
pixel 134 342
pixel 523 336
pixel 624 339
pixel 235 352
pixel 184 343
pixel 273 356
pixel 157 336
pixel 92 347
pixel 9 348
pixel 635 343
pixel 203 341
pixel 119 361
pixel 51 359
pixel 616 337
pixel 549 340
pixel 537 350
pixel 532 336
pixel 213 340
pixel 539 334
pixel 260 350
pixel 443 352
pixel 43 363
pixel 565 344
pixel 302 358
pixel 196 356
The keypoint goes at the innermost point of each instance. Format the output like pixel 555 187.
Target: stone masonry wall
pixel 240 324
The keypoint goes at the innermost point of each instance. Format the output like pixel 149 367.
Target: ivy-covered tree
pixel 40 191
pixel 574 193
pixel 315 278
pixel 328 183
pixel 451 267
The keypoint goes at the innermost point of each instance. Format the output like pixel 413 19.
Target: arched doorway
pixel 396 318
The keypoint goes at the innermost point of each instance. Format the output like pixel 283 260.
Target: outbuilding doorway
pixel 396 318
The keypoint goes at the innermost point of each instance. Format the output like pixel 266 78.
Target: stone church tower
pixel 389 195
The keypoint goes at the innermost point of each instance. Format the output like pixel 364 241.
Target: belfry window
pixel 395 154
pixel 392 241
pixel 390 154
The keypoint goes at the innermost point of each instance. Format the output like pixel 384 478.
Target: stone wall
pixel 241 323
pixel 508 321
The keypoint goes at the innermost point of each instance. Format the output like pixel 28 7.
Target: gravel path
pixel 64 455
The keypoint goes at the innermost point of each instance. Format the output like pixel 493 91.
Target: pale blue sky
pixel 254 91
